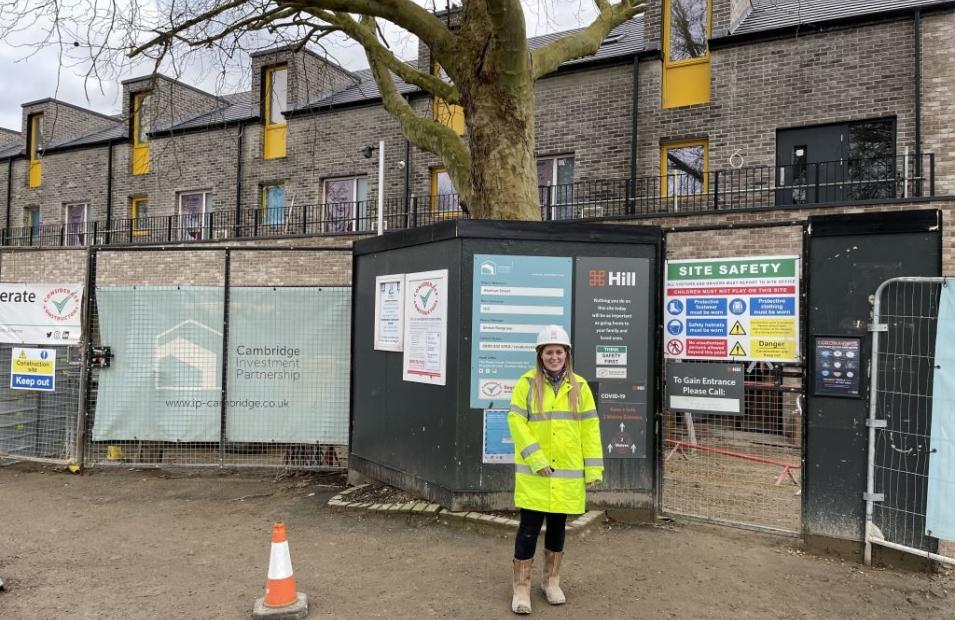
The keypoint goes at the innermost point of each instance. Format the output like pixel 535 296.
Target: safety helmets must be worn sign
pixel 735 309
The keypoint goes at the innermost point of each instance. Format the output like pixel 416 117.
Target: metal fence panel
pixel 242 362
pixel 740 470
pixel 901 441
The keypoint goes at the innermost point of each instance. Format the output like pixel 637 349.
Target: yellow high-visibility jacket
pixel 556 436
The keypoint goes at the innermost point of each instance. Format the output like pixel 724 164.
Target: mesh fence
pixel 42 425
pixel 740 469
pixel 911 458
pixel 221 358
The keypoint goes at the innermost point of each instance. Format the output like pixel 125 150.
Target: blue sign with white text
pixel 706 306
pixel 772 306
pixel 705 327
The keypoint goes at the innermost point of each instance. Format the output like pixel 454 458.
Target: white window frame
pixel 206 198
pixel 66 224
pixel 355 222
pixel 553 204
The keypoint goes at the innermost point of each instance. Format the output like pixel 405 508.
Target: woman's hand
pixel 593 483
pixel 546 471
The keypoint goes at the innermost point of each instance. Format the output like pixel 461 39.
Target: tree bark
pixel 500 121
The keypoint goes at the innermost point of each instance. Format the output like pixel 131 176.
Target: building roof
pixel 775 14
pixel 10 151
pixel 624 41
pixel 238 108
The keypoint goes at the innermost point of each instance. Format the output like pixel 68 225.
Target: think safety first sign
pixel 734 309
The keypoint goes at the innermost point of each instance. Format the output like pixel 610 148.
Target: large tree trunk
pixel 501 138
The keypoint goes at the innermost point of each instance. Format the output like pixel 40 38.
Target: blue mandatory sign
pixel 675 327
pixel 738 306
pixel 706 306
pixel 706 327
pixel 675 306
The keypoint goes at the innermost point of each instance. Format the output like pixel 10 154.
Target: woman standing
pixel 557 450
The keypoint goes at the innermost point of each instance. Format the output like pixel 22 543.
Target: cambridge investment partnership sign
pixel 49 314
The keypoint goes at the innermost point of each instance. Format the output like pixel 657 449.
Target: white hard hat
pixel 553 334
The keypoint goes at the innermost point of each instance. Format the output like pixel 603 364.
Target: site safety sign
pixel 736 309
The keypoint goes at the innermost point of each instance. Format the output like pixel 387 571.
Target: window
pixel 444 198
pixel 193 207
pixel 74 230
pixel 35 149
pixel 686 60
pixel 346 204
pixel 139 215
pixel 140 130
pixel 449 115
pixel 273 205
pixel 31 220
pixel 872 159
pixel 684 168
pixel 555 179
pixel 275 98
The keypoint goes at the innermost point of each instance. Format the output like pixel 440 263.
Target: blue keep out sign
pixel 32 382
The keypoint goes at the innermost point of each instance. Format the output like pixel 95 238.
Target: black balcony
pixel 738 189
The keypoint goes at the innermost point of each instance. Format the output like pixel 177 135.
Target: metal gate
pixel 911 459
pixel 740 470
pixel 34 425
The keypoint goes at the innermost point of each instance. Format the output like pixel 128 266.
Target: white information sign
pixel 389 312
pixel 426 327
pixel 41 313
pixel 741 309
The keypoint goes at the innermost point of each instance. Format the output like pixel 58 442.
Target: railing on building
pixel 749 188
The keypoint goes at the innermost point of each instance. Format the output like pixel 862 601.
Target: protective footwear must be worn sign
pixel 735 309
pixel 33 369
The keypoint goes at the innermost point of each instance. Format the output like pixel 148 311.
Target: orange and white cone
pixel 281 598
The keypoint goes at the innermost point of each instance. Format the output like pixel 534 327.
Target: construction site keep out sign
pixel 733 309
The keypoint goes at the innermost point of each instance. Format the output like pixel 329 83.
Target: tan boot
pixel 521 603
pixel 551 581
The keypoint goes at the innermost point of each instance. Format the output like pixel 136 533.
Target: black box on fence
pixel 444 321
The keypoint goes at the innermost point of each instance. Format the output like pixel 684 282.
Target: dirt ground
pixel 147 544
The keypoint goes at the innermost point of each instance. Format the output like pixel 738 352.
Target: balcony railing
pixel 750 188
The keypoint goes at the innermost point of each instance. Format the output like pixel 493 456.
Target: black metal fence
pixel 749 188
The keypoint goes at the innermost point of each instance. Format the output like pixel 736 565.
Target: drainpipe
pixel 918 101
pixel 109 193
pixel 240 134
pixel 6 228
pixel 633 135
pixel 407 192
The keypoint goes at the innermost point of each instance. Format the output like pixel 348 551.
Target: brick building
pixel 696 112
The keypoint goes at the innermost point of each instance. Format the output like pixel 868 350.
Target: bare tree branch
pixel 584 42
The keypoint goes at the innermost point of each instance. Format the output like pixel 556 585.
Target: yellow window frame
pixel 685 82
pixel 275 137
pixel 134 215
pixel 140 160
pixel 35 174
pixel 664 167
pixel 449 115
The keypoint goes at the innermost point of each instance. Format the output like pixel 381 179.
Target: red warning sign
pixel 705 347
pixel 674 347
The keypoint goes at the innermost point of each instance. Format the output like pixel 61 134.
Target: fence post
pixel 223 403
pixel 255 223
pixel 817 183
pixel 931 174
pixel 414 211
pixel 716 190
pixel 169 227
pixel 548 203
pixel 86 343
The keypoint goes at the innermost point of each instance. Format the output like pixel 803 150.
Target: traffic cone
pixel 280 600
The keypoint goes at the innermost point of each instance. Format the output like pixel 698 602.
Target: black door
pixel 811 164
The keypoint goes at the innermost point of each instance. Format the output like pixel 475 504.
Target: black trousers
pixel 530 529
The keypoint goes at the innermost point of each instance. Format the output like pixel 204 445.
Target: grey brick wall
pixel 62 121
pixel 839 75
pixel 170 100
pixel 8 137
pixel 938 96
pixel 309 75
pixel 726 14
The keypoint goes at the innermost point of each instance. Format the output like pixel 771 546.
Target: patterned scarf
pixel 555 378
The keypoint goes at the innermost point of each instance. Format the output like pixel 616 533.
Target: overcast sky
pixel 28 74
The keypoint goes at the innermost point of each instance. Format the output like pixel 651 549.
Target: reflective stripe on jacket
pixel 554 435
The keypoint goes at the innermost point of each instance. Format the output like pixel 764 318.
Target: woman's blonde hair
pixel 541 380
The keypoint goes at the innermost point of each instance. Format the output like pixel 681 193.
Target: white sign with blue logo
pixel 33 369
pixel 44 314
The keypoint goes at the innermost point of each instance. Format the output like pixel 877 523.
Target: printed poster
pixel 50 314
pixel 426 327
pixel 33 369
pixel 514 297
pixel 389 312
pixel 732 309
